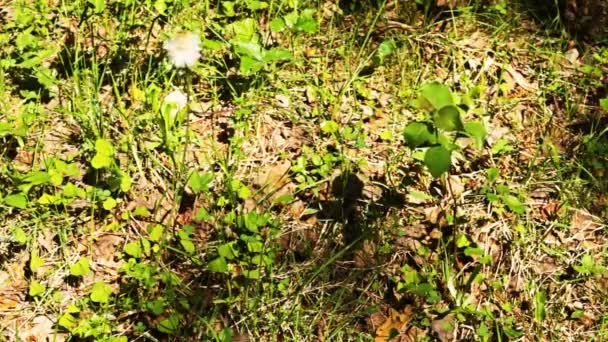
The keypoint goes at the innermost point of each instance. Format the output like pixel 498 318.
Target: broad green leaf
pixel 244 192
pixel 101 292
pixel 227 251
pixel 438 159
pixel 188 245
pixel 477 130
pixel 214 45
pixel 255 246
pixel 514 204
pixel 492 174
pixel 330 127
pixel 244 30
pixel 249 49
pixel 99 5
pixel 250 66
pixel 133 249
pixel 155 232
pixel 199 182
pixel 277 25
pixel 473 251
pixel 438 95
pixel 228 8
pixel 462 241
pixel 169 325
pixel 109 203
pixel 104 146
pixel 218 265
pixel 448 118
pixel 385 49
pixel 306 22
pixel 252 274
pixel 45 77
pixel 35 261
pixel 36 178
pixel 417 134
pixel 16 200
pixel 604 104
pixel 20 236
pixel 202 215
pixel 36 289
pixel 67 321
pixel 276 55
pixel 125 182
pixel 80 268
pixel 256 5
pixel 100 161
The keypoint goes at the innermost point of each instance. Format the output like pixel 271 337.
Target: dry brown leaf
pixel 41 329
pixel 396 321
pixel 282 101
pixel 519 79
pixel 444 328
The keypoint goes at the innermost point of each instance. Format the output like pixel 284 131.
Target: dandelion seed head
pixel 183 49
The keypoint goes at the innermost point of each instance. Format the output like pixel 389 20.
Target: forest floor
pixel 331 175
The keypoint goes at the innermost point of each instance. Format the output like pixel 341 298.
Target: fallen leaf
pixel 282 101
pixel 444 328
pixel 41 328
pixel 395 324
pixel 519 79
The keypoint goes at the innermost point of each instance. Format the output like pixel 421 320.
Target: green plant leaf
pixel 604 104
pixel 155 232
pixel 188 245
pixel 67 321
pixel 101 292
pixel 104 146
pixel 244 192
pixel 170 324
pixel 250 66
pixel 228 251
pixel 540 298
pixel 477 130
pixel 462 241
pixel 277 25
pixel 100 161
pixel 306 22
pixel 199 181
pixel 514 204
pixel 250 49
pixel 36 289
pixel 276 55
pixel 218 265
pixel 35 261
pixel 438 159
pixel 16 200
pixel 448 119
pixel 385 49
pixel 417 134
pixel 330 126
pixel 20 236
pixel 109 203
pixel 438 95
pixel 80 268
pixel 133 249
pixel 99 5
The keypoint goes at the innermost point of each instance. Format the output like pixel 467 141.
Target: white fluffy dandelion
pixel 176 100
pixel 183 49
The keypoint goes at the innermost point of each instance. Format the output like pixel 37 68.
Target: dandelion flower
pixel 174 102
pixel 183 49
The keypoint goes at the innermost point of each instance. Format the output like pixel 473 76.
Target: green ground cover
pixel 300 170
